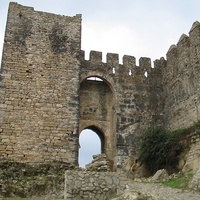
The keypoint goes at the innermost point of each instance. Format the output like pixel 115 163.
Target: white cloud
pixel 113 39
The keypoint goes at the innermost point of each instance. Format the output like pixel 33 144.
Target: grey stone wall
pixel 191 160
pixel 137 99
pixel 90 185
pixel 181 81
pixel 39 104
pixel 45 98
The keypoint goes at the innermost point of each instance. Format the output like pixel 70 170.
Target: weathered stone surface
pixel 99 163
pixel 32 179
pixel 155 191
pixel 90 185
pixel 39 108
pixel 160 175
pixel 191 159
pixel 195 183
pixel 46 98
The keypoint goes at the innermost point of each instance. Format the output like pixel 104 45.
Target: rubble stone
pixel 160 175
pixel 99 163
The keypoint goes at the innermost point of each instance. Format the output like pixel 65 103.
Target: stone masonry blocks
pixel 46 98
pixel 90 185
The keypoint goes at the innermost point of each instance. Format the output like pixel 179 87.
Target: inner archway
pixel 91 142
pixel 97 111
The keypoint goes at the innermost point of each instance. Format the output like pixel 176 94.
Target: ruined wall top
pixel 25 27
pixel 27 9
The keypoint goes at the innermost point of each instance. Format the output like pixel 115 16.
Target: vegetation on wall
pixel 160 148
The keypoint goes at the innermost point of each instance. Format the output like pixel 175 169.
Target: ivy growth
pixel 159 149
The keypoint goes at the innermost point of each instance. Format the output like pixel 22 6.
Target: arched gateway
pixel 96 113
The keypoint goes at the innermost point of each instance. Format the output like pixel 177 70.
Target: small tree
pixel 159 149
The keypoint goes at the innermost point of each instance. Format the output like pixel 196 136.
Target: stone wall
pixel 195 182
pixel 46 99
pixel 192 157
pixel 181 81
pixel 90 185
pixel 39 104
pixel 96 112
pixel 136 102
pixel 32 179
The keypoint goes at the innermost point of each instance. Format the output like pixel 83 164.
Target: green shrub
pixel 159 149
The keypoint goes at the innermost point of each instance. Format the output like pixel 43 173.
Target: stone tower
pixel 39 86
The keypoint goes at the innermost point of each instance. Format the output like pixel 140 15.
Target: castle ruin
pixel 47 98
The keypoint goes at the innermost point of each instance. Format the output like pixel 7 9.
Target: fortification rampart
pixel 136 96
pixel 113 68
pixel 46 98
pixel 181 81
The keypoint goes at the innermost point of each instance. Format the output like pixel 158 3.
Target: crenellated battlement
pixel 181 79
pixel 128 68
pixel 184 40
pixel 127 60
pixel 183 54
pixel 112 58
pixel 194 26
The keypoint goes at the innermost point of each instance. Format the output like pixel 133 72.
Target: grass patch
pixel 180 182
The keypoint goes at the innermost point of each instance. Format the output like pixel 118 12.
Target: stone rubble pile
pixel 160 176
pixel 99 163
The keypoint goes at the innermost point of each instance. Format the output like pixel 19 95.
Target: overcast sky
pixel 142 28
